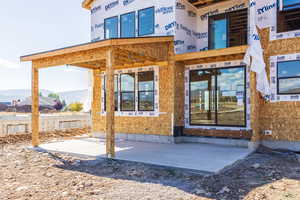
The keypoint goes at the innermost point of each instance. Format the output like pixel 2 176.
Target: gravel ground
pixel 26 174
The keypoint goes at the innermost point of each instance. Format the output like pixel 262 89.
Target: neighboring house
pixel 45 104
pixel 179 70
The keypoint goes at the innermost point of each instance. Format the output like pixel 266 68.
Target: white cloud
pixel 8 64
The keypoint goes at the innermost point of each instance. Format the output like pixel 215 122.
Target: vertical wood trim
pixel 35 106
pixel 110 105
pixel 172 66
pixel 96 101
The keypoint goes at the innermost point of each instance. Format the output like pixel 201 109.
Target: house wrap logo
pixel 127 2
pixel 178 42
pixel 111 5
pixel 186 29
pixel 97 26
pixel 180 6
pixel 266 8
pixel 165 10
pixel 235 7
pixel 205 16
pixel 171 25
pixel 191 14
pixel 96 9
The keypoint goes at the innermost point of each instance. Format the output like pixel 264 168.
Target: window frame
pixel 215 98
pixel 139 21
pixel 226 17
pixel 134 93
pixel 133 12
pixel 281 13
pixel 105 36
pixel 284 78
pixel 151 91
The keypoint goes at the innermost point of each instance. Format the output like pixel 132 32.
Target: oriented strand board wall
pixel 161 125
pixel 283 118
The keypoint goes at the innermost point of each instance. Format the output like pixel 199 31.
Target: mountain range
pixel 68 96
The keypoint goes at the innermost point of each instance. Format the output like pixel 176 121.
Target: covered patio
pixel 200 158
pixel 103 56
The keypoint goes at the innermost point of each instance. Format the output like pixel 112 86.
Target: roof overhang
pixel 130 52
pixel 87 4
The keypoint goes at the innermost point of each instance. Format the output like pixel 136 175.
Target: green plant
pixel 75 107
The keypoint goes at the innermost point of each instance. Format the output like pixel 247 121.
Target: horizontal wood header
pixel 95 45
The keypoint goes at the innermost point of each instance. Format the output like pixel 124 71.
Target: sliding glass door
pixel 217 97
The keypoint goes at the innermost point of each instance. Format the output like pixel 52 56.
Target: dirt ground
pixel 27 174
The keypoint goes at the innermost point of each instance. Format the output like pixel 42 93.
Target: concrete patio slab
pixel 200 157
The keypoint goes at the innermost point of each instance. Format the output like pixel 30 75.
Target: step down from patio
pixel 182 139
pixel 213 140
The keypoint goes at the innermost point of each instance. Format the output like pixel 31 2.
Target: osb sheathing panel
pixel 138 125
pixel 179 94
pixel 283 118
pixel 219 133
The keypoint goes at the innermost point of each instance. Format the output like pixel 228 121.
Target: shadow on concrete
pixel 234 182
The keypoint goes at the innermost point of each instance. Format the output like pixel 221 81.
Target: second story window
pixel 288 16
pixel 111 27
pixel 146 21
pixel 228 29
pixel 127 22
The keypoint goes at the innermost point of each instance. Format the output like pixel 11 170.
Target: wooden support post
pixel 110 105
pixel 35 106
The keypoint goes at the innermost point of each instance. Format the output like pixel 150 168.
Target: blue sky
pixel 32 26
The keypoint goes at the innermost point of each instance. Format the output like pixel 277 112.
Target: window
pixel 146 91
pixel 116 88
pixel 217 97
pixel 128 25
pixel 228 29
pixel 111 27
pixel 128 92
pixel 288 16
pixel 146 21
pixel 288 74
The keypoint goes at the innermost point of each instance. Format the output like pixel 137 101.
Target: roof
pixel 95 45
pixel 197 3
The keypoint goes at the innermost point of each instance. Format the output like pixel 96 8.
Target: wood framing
pixel 108 55
pixel 110 105
pixel 35 106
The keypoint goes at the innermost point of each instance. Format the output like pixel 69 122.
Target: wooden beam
pixel 110 104
pixel 35 106
pixel 211 53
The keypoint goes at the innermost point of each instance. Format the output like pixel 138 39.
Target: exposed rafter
pixel 202 3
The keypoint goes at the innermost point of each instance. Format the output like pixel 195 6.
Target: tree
pixel 54 96
pixel 75 107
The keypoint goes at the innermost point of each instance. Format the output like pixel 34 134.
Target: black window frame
pixel 284 78
pixel 227 16
pixel 143 91
pixel 105 36
pixel 139 11
pixel 121 93
pixel 133 12
pixel 281 14
pixel 215 98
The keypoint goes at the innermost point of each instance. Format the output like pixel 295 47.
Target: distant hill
pixel 22 94
pixel 9 95
pixel 73 96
